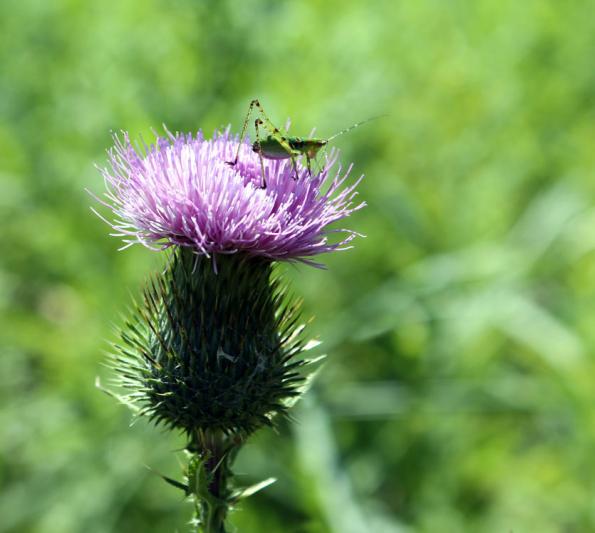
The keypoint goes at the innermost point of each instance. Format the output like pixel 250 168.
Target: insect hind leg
pixel 293 158
pixel 253 103
pixel 281 138
pixel 309 165
pixel 257 123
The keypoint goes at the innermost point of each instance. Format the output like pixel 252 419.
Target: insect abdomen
pixel 270 148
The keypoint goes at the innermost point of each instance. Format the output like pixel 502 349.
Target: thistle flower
pixel 180 191
pixel 218 352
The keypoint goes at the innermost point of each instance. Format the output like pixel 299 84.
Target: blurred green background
pixel 459 394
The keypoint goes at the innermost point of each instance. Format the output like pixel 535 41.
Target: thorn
pixel 224 355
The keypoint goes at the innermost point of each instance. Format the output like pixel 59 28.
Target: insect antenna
pixel 357 124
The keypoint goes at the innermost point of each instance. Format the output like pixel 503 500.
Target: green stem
pixel 209 476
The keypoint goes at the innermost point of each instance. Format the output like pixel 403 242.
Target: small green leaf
pixel 169 480
pixel 175 483
pixel 253 489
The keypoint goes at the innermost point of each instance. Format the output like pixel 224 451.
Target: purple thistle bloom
pixel 180 191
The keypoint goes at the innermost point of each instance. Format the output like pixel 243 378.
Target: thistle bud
pixel 212 350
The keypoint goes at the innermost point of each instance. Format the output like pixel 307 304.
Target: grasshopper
pixel 279 145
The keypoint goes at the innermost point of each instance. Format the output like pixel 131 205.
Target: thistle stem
pixel 209 476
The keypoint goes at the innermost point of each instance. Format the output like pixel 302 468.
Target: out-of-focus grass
pixel 459 391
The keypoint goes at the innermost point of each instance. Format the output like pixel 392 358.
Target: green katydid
pixel 279 145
